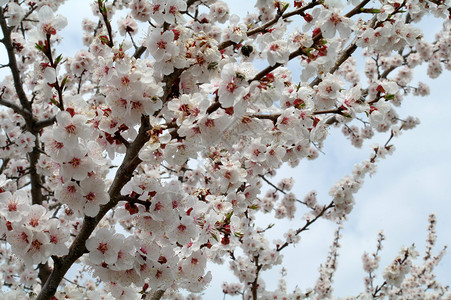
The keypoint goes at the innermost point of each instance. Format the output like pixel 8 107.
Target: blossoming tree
pixel 142 159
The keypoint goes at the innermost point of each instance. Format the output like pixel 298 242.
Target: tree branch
pixel 78 247
pixel 15 70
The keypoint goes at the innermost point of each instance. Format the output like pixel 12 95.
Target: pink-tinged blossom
pixel 49 23
pixel 28 277
pixel 39 250
pixel 212 127
pixel 329 87
pixel 70 128
pixel 277 52
pixel 55 149
pixel 194 265
pixel 160 277
pixel 161 209
pixel 327 92
pixel 36 218
pixel 274 156
pixel 82 61
pixel 395 273
pixel 422 89
pixel 103 70
pixel 122 292
pixel 125 255
pixel 367 38
pixel 58 236
pixel 127 25
pixel 20 239
pixel 188 107
pixel 232 87
pixel 172 11
pixel 141 10
pixel 183 231
pixel 333 21
pixel 94 195
pixel 161 44
pixel 76 165
pixel 232 174
pixel 378 112
pixel 70 194
pixel 14 14
pixel 103 247
pixel 14 206
pixel 157 11
pixel 236 31
pixel 299 39
pixel 256 152
pixel 219 11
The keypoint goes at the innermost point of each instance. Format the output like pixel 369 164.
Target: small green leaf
pixel 64 81
pixel 58 59
pixel 40 47
pixel 54 101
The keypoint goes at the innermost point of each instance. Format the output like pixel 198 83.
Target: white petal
pixel 50 75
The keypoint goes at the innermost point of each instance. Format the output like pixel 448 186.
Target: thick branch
pixel 17 109
pixel 78 247
pixel 15 70
pixel 35 178
pixel 254 286
pixel 44 123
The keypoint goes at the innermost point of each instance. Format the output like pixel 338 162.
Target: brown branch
pixel 272 184
pixel 120 138
pixel 254 285
pixel 272 117
pixel 58 88
pixel 308 223
pixel 262 28
pixel 33 157
pixel 269 69
pixel 14 69
pixel 17 109
pixel 4 164
pixel 44 123
pixel 139 51
pixel 357 10
pixel 78 247
pixel 170 81
pixel 134 200
pixel 190 2
pixel 44 272
pixel 345 55
pixel 104 13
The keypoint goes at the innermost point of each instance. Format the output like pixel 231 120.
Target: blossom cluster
pixel 143 157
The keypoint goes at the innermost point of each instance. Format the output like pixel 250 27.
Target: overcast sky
pixel 408 186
